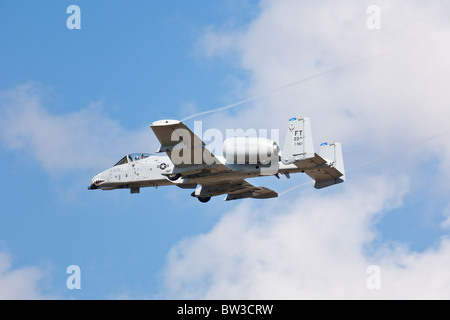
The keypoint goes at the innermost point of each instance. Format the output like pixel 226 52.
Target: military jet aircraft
pixel 188 164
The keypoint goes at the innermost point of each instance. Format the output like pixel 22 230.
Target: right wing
pixel 185 149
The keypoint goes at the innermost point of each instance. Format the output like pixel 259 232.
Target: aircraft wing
pixel 235 189
pixel 185 149
pixel 247 190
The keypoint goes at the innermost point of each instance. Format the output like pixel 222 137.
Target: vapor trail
pixel 412 145
pixel 294 187
pixel 292 84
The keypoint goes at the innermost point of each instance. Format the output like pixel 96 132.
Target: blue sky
pixel 140 62
pixel 148 49
pixel 75 101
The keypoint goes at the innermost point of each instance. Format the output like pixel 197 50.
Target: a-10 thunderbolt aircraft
pixel 188 164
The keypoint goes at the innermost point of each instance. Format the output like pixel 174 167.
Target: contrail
pixel 364 164
pixel 292 84
pixel 412 145
pixel 294 187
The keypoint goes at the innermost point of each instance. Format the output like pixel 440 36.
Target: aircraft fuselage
pixel 155 171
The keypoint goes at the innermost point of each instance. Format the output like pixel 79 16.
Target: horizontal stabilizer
pixel 332 171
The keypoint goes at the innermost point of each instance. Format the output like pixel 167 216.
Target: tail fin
pixel 325 168
pixel 298 144
pixel 334 173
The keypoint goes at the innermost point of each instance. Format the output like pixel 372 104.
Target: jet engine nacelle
pixel 250 150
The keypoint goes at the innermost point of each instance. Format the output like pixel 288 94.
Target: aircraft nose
pixel 96 182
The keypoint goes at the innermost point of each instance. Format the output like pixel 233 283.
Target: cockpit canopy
pixel 131 158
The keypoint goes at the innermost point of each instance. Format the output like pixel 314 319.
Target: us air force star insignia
pixel 291 126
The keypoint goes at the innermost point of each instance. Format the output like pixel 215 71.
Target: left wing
pixel 250 191
pixel 185 149
pixel 235 189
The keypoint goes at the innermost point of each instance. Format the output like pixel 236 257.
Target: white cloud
pixel 400 97
pixel 312 246
pixel 20 283
pixel 83 139
pixel 315 246
pixel 446 223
